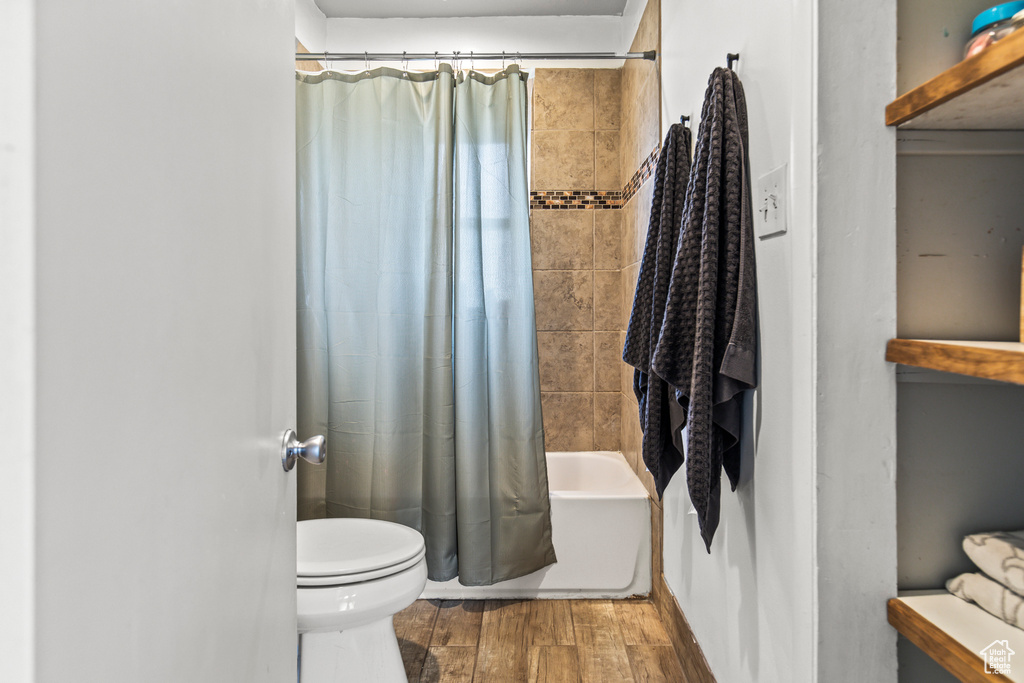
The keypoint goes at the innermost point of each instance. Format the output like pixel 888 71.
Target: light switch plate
pixel 770 203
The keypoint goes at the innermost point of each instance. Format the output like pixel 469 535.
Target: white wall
pixel 750 602
pixel 310 25
pixel 932 36
pixel 17 340
pixel 957 283
pixel 486 34
pixel 759 605
pixel 632 13
pixel 482 34
pixel 856 315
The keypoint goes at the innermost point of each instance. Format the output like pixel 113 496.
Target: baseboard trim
pixel 695 666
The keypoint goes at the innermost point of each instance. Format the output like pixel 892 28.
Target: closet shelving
pixel 985 92
pixel 953 632
pixel 1003 361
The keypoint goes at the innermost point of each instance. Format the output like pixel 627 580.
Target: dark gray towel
pixel 662 457
pixel 707 344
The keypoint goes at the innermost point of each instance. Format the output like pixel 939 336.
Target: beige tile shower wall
pixel 639 135
pixel 576 257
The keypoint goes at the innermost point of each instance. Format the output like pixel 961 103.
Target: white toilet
pixel 353 575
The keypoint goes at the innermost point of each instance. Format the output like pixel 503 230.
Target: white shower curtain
pixel 417 342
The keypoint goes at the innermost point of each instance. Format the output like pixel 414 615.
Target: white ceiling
pixel 386 9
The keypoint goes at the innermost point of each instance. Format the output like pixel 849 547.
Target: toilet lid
pixel 338 547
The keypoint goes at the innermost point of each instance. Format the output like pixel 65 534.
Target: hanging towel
pixel 660 454
pixel 707 344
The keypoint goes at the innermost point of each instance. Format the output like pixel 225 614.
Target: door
pixel 165 341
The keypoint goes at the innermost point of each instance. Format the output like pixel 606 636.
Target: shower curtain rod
pixel 464 56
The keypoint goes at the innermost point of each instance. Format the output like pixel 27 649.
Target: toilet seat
pixel 334 552
pixel 345 579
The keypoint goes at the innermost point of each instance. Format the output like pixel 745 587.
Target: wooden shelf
pixel 1003 361
pixel 953 632
pixel 985 92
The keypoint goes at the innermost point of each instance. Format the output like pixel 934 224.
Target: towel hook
pixel 684 120
pixel 732 57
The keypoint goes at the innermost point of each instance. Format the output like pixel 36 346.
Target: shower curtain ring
pixel 366 60
pixel 502 60
pixel 327 64
pixel 472 64
pixel 437 63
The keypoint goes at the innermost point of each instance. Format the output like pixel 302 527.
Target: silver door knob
pixel 313 449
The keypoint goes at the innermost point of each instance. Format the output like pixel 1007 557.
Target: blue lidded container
pixel 992 25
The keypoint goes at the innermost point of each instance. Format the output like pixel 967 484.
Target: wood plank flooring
pixel 536 641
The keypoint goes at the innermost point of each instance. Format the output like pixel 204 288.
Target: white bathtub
pixel 601 529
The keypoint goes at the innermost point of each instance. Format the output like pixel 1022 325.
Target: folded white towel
pixel 1000 554
pixel 990 596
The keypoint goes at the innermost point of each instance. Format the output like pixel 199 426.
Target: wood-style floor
pixel 523 641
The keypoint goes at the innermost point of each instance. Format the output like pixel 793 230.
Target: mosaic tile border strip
pixel 645 171
pixel 576 199
pixel 596 199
